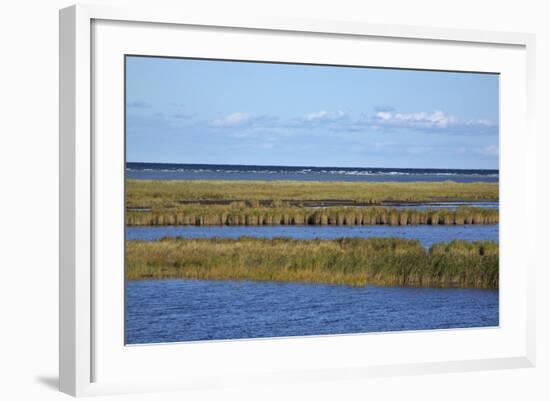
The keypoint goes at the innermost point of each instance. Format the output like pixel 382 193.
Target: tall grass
pixel 237 214
pixel 167 194
pixel 348 261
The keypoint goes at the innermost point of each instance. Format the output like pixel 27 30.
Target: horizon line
pixel 303 166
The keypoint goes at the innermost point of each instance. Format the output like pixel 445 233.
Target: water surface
pixel 426 234
pixel 172 171
pixel 191 310
pixel 446 205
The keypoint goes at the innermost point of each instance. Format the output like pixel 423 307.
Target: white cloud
pixel 315 116
pixel 232 120
pixel 423 119
pixel 339 121
pixel 491 150
pixel 383 115
pixel 484 122
pixel 436 121
pixel 324 115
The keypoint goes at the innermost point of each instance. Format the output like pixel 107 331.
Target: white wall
pixel 28 197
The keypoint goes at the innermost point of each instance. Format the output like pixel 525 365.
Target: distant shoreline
pixel 167 171
pixel 255 167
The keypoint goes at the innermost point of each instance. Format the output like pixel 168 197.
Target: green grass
pixel 234 215
pixel 349 261
pixel 170 194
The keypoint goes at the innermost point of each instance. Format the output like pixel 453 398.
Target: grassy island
pixel 347 261
pixel 160 194
pixel 303 203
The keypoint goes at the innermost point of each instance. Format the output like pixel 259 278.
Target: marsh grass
pixel 280 203
pixel 240 214
pixel 169 194
pixel 347 261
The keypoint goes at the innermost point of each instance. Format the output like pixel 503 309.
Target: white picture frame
pixel 84 320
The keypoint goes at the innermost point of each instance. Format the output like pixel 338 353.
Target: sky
pixel 229 112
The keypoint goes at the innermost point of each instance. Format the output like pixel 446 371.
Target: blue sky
pixel 226 112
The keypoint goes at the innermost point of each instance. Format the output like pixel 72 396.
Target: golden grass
pixel 234 215
pixel 279 203
pixel 169 194
pixel 348 261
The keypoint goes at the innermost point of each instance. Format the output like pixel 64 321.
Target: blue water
pixel 427 235
pixel 446 205
pixel 162 171
pixel 191 310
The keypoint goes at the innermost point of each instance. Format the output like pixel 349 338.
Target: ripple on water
pixel 193 310
pixel 426 234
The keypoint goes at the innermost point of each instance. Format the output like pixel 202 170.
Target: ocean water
pixel 160 311
pixel 162 171
pixel 427 235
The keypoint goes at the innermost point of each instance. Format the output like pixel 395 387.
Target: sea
pixel 172 171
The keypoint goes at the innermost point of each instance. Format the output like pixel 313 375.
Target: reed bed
pixel 347 261
pixel 167 194
pixel 241 214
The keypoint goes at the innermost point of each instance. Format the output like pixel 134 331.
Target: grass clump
pixel 346 261
pixel 243 215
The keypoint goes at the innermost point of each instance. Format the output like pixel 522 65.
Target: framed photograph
pixel 272 200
